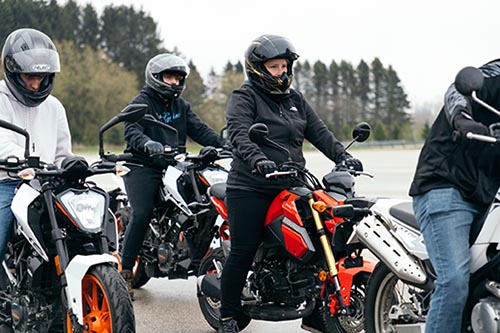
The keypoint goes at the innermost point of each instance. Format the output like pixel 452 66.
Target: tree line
pixel 103 57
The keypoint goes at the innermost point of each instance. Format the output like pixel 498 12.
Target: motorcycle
pixel 59 273
pixel 399 290
pixel 185 223
pixel 303 266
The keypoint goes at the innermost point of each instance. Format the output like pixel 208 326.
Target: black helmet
pixel 166 63
pixel 262 49
pixel 32 52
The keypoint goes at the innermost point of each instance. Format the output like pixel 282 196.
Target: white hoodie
pixel 46 124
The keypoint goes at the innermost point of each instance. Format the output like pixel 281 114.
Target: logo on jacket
pixel 169 117
pixel 294 109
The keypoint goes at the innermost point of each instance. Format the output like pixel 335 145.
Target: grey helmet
pixel 264 48
pixel 29 51
pixel 169 63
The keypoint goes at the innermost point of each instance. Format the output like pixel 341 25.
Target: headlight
pixel 214 176
pixel 85 208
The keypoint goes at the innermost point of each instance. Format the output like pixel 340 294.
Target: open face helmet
pixel 262 49
pixel 29 51
pixel 171 64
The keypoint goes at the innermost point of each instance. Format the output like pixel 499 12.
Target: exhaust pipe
pixel 209 285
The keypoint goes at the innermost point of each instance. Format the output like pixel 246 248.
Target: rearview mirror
pixel 361 132
pixel 469 79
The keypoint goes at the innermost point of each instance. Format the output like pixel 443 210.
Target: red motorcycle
pixel 304 265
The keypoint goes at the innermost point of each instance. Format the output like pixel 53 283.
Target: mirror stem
pixel 492 109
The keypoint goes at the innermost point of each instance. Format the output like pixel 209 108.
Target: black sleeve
pixel 134 133
pixel 320 136
pixel 240 116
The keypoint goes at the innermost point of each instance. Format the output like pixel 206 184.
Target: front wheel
pixel 353 323
pixel 392 304
pixel 209 306
pixel 107 306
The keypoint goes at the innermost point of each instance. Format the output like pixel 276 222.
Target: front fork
pixel 330 259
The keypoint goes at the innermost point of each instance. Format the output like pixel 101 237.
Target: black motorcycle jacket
pixel 290 120
pixel 176 113
pixel 471 166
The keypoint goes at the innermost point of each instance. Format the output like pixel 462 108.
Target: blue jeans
pixel 7 188
pixel 445 219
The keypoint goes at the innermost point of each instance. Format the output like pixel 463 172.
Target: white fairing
pixel 76 270
pixel 170 178
pixel 24 196
pixel 490 233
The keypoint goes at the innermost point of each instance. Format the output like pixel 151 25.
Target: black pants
pixel 247 212
pixel 142 185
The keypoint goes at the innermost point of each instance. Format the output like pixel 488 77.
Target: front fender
pixel 76 270
pixel 347 275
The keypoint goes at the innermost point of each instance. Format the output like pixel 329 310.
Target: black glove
pixel 353 164
pixel 153 147
pixel 495 130
pixel 265 166
pixel 463 124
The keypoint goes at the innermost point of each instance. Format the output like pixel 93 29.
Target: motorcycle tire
pixel 210 307
pixel 348 323
pixel 107 306
pixel 384 293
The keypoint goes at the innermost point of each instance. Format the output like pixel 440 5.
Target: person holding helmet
pixel 30 61
pixel 165 77
pixel 266 97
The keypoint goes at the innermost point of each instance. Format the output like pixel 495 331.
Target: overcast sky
pixel 425 41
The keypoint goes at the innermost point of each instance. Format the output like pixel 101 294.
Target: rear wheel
pixel 393 305
pixel 209 306
pixel 107 306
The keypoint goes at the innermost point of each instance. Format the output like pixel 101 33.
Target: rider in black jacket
pixel 266 98
pixel 165 76
pixel 455 182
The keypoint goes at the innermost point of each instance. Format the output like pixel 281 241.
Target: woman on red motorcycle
pixel 265 98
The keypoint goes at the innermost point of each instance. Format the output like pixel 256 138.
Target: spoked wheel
pixel 209 306
pixel 107 307
pixel 392 304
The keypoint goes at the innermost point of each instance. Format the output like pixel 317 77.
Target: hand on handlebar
pixel 153 147
pixel 464 124
pixel 265 166
pixel 352 163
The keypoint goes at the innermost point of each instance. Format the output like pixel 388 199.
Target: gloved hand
pixel 353 164
pixel 265 166
pixel 495 130
pixel 153 147
pixel 463 124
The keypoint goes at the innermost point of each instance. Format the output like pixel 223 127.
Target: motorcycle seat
pixel 218 190
pixel 404 212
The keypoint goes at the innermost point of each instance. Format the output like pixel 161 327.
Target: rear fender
pixel 76 270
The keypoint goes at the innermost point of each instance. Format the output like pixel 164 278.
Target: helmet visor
pixel 33 61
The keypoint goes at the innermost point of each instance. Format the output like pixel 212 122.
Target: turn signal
pixel 322 275
pixel 27 174
pixel 320 206
pixel 122 170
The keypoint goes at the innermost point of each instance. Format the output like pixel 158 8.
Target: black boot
pixel 228 325
pixel 128 276
pixel 313 323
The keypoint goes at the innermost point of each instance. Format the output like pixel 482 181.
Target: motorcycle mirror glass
pixel 469 79
pixel 361 132
pixel 258 132
pixel 133 112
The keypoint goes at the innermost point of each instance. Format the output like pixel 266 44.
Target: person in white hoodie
pixel 30 61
